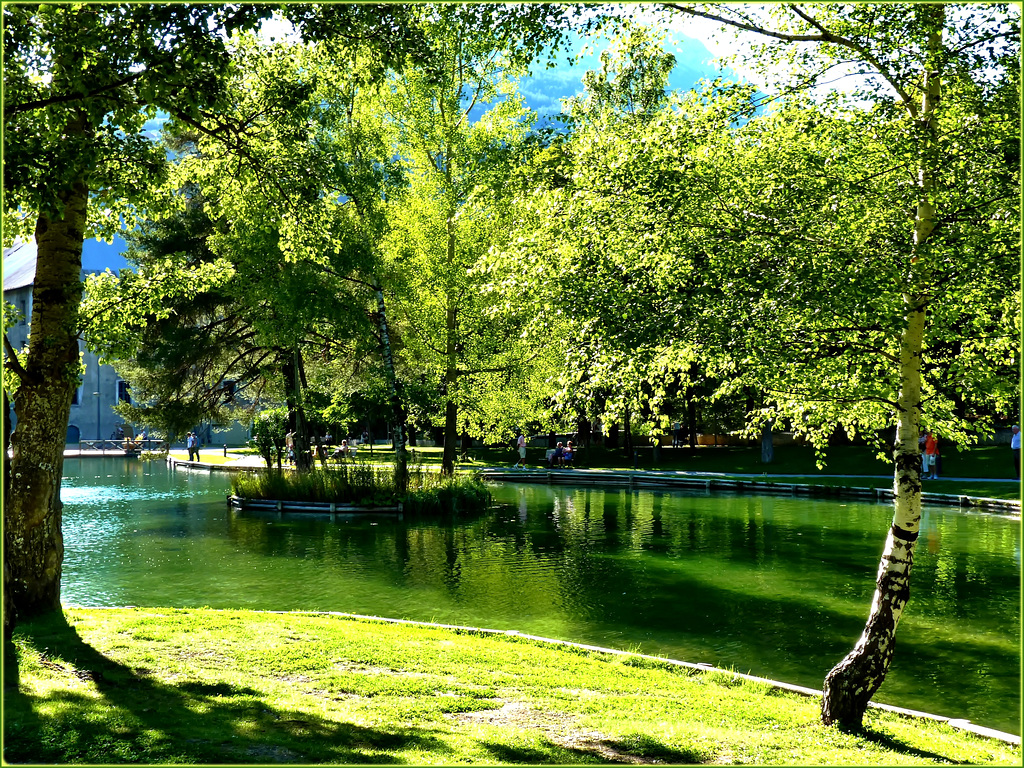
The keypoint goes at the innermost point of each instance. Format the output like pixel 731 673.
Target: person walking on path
pixel 190 444
pixel 521 445
pixel 1015 446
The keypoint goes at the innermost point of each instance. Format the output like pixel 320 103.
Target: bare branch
pixel 823 36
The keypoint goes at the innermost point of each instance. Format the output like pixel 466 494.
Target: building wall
pixel 92 416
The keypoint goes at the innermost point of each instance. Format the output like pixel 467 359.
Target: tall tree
pixel 909 55
pixel 80 81
pixel 454 126
pixel 855 259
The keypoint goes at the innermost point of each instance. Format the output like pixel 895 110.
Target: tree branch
pixel 29 106
pixel 823 36
pixel 13 362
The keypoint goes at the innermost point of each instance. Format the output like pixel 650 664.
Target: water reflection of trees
pixel 778 586
pixel 724 579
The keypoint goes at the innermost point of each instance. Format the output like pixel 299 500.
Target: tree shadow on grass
pixel 890 742
pixel 630 749
pixel 137 718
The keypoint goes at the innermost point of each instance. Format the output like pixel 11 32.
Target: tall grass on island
pixel 364 484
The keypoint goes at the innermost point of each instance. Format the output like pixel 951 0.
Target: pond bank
pixel 669 479
pixel 162 685
pixel 677 480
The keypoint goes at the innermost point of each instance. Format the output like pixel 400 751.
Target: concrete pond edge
pixel 650 480
pixel 655 480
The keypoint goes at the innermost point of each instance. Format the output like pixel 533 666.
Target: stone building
pixel 92 415
pixel 92 408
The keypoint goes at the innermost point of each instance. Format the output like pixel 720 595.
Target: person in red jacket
pixel 930 463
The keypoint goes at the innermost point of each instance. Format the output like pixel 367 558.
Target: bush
pixel 268 434
pixel 369 485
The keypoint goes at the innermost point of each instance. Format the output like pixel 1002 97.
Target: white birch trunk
pixel 850 685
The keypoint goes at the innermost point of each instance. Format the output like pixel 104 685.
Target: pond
pixel 778 587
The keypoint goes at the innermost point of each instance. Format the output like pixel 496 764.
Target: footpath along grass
pixel 793 464
pixel 149 685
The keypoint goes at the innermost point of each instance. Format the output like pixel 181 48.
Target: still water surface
pixel 779 587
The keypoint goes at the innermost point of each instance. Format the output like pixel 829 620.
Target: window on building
pixel 75 395
pixel 24 312
pixel 123 394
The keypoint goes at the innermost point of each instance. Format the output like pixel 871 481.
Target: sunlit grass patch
pixel 220 687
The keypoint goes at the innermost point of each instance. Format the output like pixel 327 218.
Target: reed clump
pixel 366 484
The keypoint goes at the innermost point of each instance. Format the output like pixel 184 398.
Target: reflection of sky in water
pixel 122 493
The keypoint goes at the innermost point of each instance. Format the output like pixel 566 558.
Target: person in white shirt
pixel 521 444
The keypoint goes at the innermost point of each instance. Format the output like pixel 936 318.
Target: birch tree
pixel 909 56
pixel 854 257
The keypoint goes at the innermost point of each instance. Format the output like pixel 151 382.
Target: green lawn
pixel 150 685
pixel 976 462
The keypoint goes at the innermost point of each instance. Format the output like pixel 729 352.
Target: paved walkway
pixel 258 463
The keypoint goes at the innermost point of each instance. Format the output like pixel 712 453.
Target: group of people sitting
pixel 562 456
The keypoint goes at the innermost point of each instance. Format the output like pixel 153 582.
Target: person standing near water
pixel 930 465
pixel 289 445
pixel 521 445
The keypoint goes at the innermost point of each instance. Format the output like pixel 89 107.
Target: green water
pixel 779 587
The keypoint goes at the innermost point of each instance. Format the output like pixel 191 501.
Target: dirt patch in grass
pixel 517 715
pixel 269 754
pixel 559 728
pixel 362 669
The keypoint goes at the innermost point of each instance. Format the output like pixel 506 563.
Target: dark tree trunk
pixel 33 540
pixel 767 449
pixel 627 434
pixel 296 412
pixel 583 431
pixel 394 396
pixel 691 419
pixel 451 436
pixel 9 610
pixel 611 440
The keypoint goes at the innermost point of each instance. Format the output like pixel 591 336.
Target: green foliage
pixel 774 254
pixel 633 78
pixel 268 434
pixel 363 483
pixel 81 83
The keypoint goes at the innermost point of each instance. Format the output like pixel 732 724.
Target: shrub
pixel 366 484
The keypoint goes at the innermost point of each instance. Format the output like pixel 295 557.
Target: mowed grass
pixel 200 686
